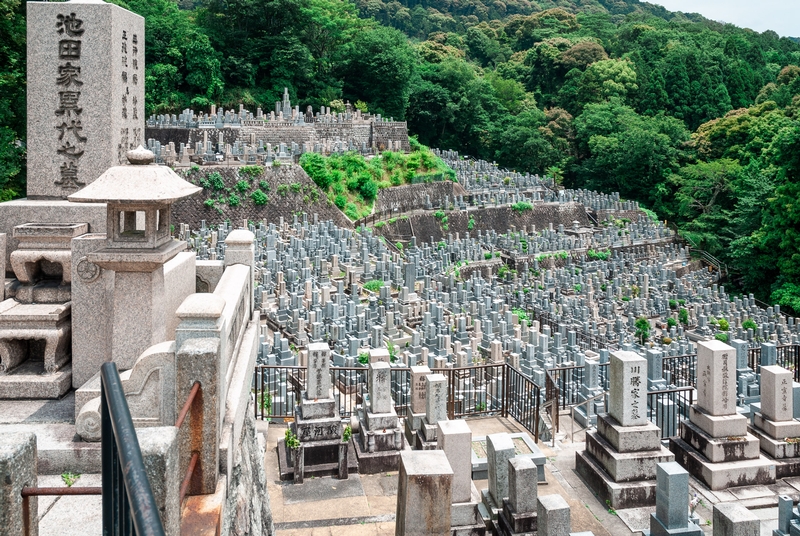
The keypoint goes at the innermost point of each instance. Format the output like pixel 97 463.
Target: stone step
pixel 59 448
pixel 722 475
pixel 618 494
pixel 626 466
pixel 718 449
pixel 29 381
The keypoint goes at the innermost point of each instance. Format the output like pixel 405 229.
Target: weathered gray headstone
pixel 523 484
pixel 380 384
pixel 716 378
pixel 455 439
pixel 499 449
pixel 627 394
pixel 552 516
pixel 436 401
pixel 418 388
pixel 86 76
pixel 318 383
pixel 423 494
pixel 733 519
pixel 776 393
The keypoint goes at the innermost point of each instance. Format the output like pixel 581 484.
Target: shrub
pixel 374 285
pixel 521 314
pixel 521 206
pixel 749 324
pixel 399 246
pixel 439 214
pixel 363 358
pixel 487 256
pixel 243 186
pixel 673 304
pixel 340 201
pixel 234 200
pixel 577 288
pixel 723 324
pixel 351 211
pixel 296 187
pixel 208 203
pixel 250 172
pixel 214 181
pixel 471 223
pixel 314 165
pixel 379 224
pixel 598 255
pixel 671 322
pixel 721 337
pixel 264 185
pixel 276 163
pixel 259 198
pixel 683 316
pixel 642 329
pixel 283 189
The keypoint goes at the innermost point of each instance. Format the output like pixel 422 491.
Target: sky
pixel 781 16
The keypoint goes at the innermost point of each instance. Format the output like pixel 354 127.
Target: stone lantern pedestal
pixel 138 245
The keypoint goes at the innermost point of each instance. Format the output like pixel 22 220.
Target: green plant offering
pixel 347 433
pixel 70 478
pixel 291 440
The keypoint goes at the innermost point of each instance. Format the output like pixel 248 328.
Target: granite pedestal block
pixel 723 475
pixel 619 463
pixel 732 425
pixel 724 449
pixel 733 519
pixel 465 517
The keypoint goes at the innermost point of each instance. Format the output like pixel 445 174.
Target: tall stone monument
pixel 620 459
pixel 85 93
pixel 380 438
pixel 775 426
pixel 714 444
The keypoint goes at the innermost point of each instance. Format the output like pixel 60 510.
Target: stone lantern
pixel 138 245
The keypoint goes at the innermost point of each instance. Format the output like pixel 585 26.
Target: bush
pixel 721 337
pixel 363 358
pixel 439 214
pixel 264 185
pixel 471 223
pixel 487 256
pixel 283 189
pixel 242 186
pixel 683 316
pixel 259 198
pixel 749 324
pixel 250 172
pixel 598 255
pixel 340 201
pixel 671 322
pixel 314 165
pixel 522 206
pixel 296 187
pixel 723 324
pixel 642 329
pixel 374 285
pixel 213 181
pixel 379 224
pixel 673 304
pixel 234 200
pixel 208 203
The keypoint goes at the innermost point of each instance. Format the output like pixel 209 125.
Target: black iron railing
pixel 128 503
pixel 788 357
pixel 496 389
pixel 668 408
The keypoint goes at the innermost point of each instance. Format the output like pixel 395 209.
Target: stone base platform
pixel 370 463
pixel 658 529
pixel 511 523
pixel 722 475
pixel 626 466
pixel 785 455
pixel 466 519
pixel 618 494
pixel 28 381
pixel 715 450
pixel 314 451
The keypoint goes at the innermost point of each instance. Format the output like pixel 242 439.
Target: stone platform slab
pixel 286 467
pixel 618 494
pixel 720 449
pixel 722 475
pixel 27 382
pixel 60 448
pixel 626 466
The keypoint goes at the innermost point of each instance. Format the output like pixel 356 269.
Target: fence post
pixel 199 360
pixel 160 456
pixel 18 469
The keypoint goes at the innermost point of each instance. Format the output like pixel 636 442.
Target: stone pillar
pixel 733 519
pixel 85 66
pixel 18 469
pixel 159 447
pixel 240 249
pixel 424 494
pixel 552 516
pixel 199 360
pixel 672 503
pixel 455 439
pixel 627 394
pixel 499 449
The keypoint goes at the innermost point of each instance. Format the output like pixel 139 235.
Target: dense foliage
pixel 351 182
pixel 695 119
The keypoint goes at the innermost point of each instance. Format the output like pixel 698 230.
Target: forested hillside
pixel 695 119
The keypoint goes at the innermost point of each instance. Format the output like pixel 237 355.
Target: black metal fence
pixel 788 357
pixel 128 503
pixel 668 408
pixel 495 389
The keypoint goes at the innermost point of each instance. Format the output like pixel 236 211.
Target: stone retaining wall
pixel 192 210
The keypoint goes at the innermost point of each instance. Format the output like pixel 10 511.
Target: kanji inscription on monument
pixel 84 104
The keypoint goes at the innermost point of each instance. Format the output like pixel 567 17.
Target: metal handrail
pixel 128 502
pixel 572 414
